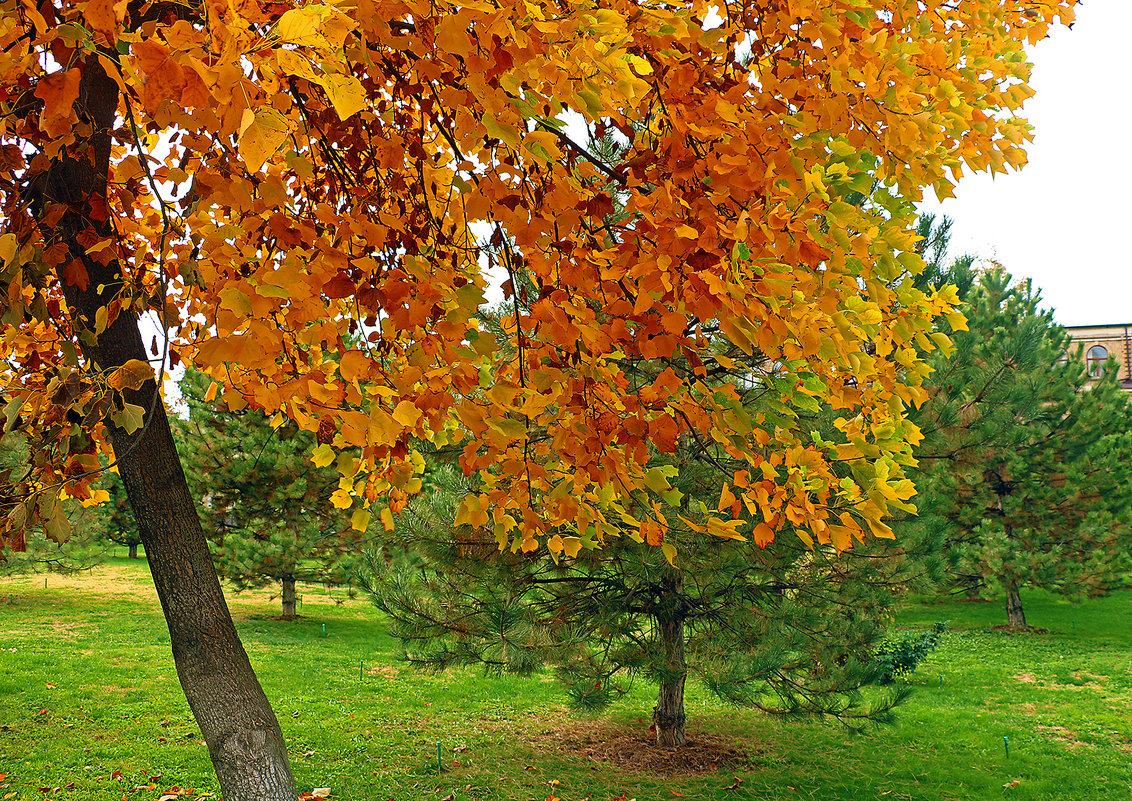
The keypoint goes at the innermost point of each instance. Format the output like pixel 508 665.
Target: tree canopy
pixel 285 180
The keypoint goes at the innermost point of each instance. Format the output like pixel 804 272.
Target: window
pixel 1095 359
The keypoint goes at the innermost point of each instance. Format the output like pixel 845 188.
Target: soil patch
pixel 1020 629
pixel 635 750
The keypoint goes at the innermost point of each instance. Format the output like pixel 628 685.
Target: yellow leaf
pixel 505 133
pixel 359 520
pixel 346 94
pixel 571 546
pixel 726 497
pixel 341 499
pixel 879 529
pixel 8 246
pixel 236 301
pixel 406 414
pixel 387 518
pixel 302 26
pixel 669 552
pixel 262 136
pixel 322 456
pixel 294 63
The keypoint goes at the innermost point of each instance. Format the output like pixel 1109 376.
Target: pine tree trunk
pixel 1015 616
pixel 133 550
pixel 668 716
pixel 288 597
pixel 244 739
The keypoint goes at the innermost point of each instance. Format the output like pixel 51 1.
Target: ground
pixel 89 698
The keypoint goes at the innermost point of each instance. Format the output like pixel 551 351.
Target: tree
pixel 113 518
pixel 1026 465
pixel 327 165
pixel 788 629
pixel 270 516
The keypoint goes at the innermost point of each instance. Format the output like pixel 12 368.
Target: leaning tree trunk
pixel 288 597
pixel 244 739
pixel 1015 616
pixel 668 716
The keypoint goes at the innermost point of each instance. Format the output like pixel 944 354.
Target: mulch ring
pixel 635 750
pixel 1020 629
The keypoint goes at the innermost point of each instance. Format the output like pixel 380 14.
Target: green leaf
pixel 129 418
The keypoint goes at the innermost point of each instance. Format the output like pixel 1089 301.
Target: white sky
pixel 1065 220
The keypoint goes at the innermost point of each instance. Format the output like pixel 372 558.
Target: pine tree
pixel 1025 465
pixel 266 508
pixel 788 628
pixel 113 520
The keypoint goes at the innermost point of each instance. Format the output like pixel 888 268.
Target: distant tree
pixel 267 510
pixel 113 520
pixel 1026 464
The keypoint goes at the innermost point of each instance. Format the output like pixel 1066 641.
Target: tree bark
pixel 971 589
pixel 133 550
pixel 288 597
pixel 243 735
pixel 668 715
pixel 1015 615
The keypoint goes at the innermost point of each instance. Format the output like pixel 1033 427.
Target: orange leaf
pixel 75 274
pixel 58 91
pixel 163 78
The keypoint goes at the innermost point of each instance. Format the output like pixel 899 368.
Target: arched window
pixel 1095 359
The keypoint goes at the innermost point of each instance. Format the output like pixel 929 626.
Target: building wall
pixel 1116 339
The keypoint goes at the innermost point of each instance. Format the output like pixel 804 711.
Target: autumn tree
pixel 276 180
pixel 1025 463
pixel 271 517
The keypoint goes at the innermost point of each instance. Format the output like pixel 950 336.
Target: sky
pixel 1065 220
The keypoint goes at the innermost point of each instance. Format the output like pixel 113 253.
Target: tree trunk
pixel 668 716
pixel 244 739
pixel 1015 616
pixel 288 597
pixel 133 550
pixel 971 589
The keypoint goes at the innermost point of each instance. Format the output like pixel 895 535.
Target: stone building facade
pixel 1099 342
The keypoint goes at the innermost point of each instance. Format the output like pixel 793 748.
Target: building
pixel 1099 342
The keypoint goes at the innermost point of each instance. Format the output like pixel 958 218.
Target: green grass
pixel 88 696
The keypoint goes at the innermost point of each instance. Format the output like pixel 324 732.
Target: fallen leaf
pixel 321 792
pixel 734 785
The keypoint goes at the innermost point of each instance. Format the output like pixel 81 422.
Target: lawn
pixel 90 708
